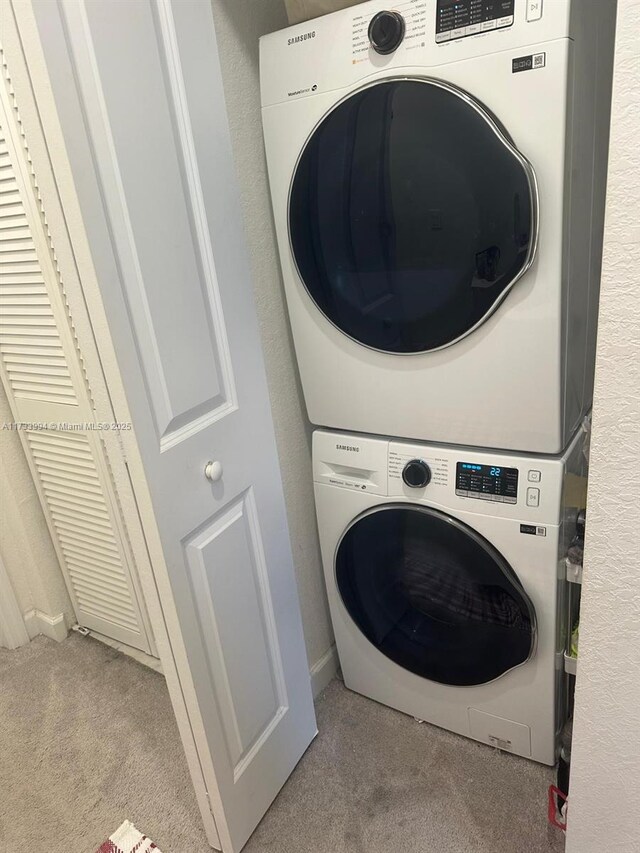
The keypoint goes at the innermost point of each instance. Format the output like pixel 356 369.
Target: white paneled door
pixel 139 96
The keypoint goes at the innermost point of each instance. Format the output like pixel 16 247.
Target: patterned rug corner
pixel 127 839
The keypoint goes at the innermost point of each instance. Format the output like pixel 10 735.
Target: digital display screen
pixel 459 18
pixel 487 482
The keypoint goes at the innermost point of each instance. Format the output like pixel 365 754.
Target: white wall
pixel 303 10
pixel 25 543
pixel 604 795
pixel 239 24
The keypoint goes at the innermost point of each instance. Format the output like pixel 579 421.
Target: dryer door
pixel 411 215
pixel 434 596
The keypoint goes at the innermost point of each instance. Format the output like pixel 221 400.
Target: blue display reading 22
pixel 493 472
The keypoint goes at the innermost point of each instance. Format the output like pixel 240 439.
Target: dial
pixel 416 474
pixel 386 31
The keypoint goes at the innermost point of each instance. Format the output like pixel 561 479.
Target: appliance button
pixel 472 29
pixel 416 474
pixel 443 36
pixel 534 476
pixel 462 493
pixel 505 22
pixel 459 33
pixel 534 10
pixel 488 25
pixel 386 31
pixel 533 496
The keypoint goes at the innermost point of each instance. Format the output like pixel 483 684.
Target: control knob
pixel 386 31
pixel 416 474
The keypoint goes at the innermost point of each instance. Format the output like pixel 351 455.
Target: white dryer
pixel 437 176
pixel 445 576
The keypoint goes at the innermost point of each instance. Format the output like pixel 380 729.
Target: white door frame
pixel 13 631
pixel 21 42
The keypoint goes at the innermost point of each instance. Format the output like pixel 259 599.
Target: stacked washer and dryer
pixel 437 173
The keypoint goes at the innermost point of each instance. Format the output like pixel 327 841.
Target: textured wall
pixel 25 543
pixel 239 24
pixel 303 10
pixel 605 773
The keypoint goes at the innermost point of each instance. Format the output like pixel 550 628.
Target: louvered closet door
pixel 42 371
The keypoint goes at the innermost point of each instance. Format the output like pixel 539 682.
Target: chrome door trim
pixel 503 136
pixel 493 552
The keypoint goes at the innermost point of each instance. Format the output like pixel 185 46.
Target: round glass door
pixel 411 214
pixel 434 596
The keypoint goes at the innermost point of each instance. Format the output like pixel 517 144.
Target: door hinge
pixel 206 793
pixel 123 449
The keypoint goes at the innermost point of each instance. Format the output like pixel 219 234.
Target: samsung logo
pixel 348 447
pixel 303 37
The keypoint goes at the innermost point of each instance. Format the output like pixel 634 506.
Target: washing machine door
pixel 434 596
pixel 411 215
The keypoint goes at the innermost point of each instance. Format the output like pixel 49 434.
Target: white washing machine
pixel 445 575
pixel 437 175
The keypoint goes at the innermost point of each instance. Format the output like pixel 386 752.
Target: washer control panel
pixel 416 474
pixel 487 482
pixel 414 471
pixel 528 488
pixel 460 18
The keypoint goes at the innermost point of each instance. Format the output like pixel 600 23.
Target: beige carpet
pixel 376 781
pixel 87 739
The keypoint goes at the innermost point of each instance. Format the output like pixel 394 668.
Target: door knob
pixel 213 471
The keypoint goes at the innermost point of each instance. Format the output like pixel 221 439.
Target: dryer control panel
pixel 459 18
pixel 317 58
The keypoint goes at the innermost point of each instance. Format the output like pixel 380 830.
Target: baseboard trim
pixel 53 627
pixel 324 670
